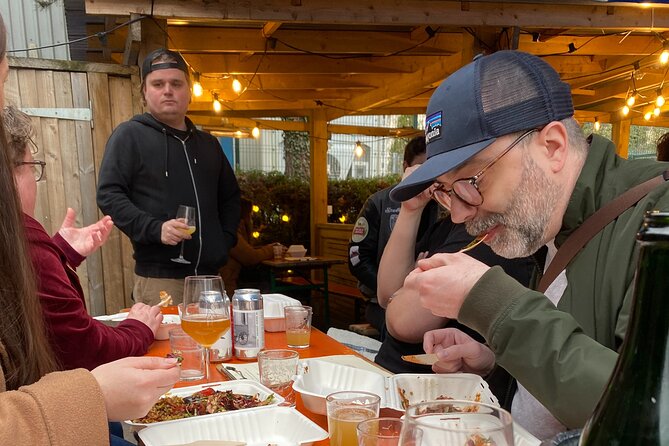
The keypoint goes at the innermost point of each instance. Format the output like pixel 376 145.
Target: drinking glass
pixel 379 432
pixel 277 371
pixel 456 422
pixel 186 214
pixel 345 410
pixel 205 312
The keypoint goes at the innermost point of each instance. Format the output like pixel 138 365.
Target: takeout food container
pixel 273 305
pixel 242 386
pixel 296 251
pixel 169 322
pixel 320 378
pixel 278 425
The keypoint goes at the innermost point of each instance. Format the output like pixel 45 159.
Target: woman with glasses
pixel 77 339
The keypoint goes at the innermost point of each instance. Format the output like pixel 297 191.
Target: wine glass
pixel 186 214
pixel 456 422
pixel 205 311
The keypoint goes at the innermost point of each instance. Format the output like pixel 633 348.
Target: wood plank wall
pixel 73 151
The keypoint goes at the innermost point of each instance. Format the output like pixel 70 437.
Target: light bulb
pixel 631 100
pixel 358 151
pixel 664 57
pixel 256 234
pixel 647 116
pixel 597 125
pixel 659 100
pixel 238 134
pixel 236 85
pixel 285 218
pixel 342 219
pixel 255 132
pixel 197 89
pixel 217 104
pixel 656 111
pixel 255 208
pixel 626 110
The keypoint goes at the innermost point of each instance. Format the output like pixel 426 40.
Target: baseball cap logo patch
pixel 433 127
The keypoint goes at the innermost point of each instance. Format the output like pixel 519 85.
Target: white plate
pixel 242 387
pixel 276 425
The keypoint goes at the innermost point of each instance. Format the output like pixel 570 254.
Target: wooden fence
pixel 75 106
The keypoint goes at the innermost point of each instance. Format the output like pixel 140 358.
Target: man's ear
pixel 554 141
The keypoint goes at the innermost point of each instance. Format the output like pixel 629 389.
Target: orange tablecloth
pixel 321 345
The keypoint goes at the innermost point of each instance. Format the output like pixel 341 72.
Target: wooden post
pixel 318 132
pixel 621 136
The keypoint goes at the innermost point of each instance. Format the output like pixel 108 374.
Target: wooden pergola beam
pixel 589 15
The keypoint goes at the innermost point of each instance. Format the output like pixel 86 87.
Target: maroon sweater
pixel 77 339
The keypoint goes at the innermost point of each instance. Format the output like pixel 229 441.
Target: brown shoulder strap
pixel 592 225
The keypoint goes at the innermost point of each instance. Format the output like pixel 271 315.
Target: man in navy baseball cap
pixel 508 159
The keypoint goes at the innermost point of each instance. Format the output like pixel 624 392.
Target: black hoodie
pixel 146 174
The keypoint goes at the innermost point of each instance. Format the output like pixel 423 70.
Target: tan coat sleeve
pixel 61 409
pixel 247 254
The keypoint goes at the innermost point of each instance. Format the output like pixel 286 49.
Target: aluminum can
pixel 221 351
pixel 249 323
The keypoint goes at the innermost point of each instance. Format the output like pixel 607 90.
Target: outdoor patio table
pixel 320 345
pixel 301 277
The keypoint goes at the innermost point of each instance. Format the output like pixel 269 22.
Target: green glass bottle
pixel 634 409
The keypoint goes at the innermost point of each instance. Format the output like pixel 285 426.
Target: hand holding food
pixel 150 316
pixel 458 352
pixel 130 386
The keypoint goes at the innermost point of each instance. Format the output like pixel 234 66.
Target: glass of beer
pixel 205 312
pixel 345 410
pixel 298 325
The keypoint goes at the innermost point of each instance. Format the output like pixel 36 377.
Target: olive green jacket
pixel 565 356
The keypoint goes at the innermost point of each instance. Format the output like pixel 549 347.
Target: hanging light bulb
pixel 632 99
pixel 255 234
pixel 238 134
pixel 597 125
pixel 255 208
pixel 285 218
pixel 255 132
pixel 664 56
pixel 236 85
pixel 216 103
pixel 359 150
pixel 197 86
pixel 656 111
pixel 659 100
pixel 648 115
pixel 626 110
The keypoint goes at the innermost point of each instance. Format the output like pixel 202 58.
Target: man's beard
pixel 526 218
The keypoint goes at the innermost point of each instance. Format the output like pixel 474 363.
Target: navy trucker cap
pixel 178 62
pixel 495 95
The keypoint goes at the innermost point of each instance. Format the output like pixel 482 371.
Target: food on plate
pixel 206 401
pixel 165 299
pixel 406 402
pixel 480 440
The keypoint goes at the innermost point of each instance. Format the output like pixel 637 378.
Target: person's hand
pixel 443 281
pixel 418 202
pixel 85 240
pixel 130 386
pixel 458 352
pixel 173 232
pixel 150 316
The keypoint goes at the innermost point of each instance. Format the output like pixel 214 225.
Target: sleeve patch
pixel 360 230
pixel 354 255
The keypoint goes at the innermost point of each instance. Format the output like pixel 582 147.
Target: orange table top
pixel 320 345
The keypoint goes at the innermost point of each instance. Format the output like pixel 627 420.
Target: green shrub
pixel 277 195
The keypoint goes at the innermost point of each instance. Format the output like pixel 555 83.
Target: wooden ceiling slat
pixel 408 12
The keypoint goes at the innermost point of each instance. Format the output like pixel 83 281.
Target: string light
pixel 631 99
pixel 342 219
pixel 656 111
pixel 197 86
pixel 217 104
pixel 359 150
pixel 255 132
pixel 255 234
pixel 238 134
pixel 285 218
pixel 626 110
pixel 597 125
pixel 659 100
pixel 236 85
pixel 664 56
pixel 255 208
pixel 647 115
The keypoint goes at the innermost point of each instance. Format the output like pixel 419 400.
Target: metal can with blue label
pixel 248 322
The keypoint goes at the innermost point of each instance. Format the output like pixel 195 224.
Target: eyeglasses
pixel 38 168
pixel 467 189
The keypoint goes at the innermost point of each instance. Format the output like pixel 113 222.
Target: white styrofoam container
pixel 273 305
pixel 276 425
pixel 320 378
pixel 242 387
